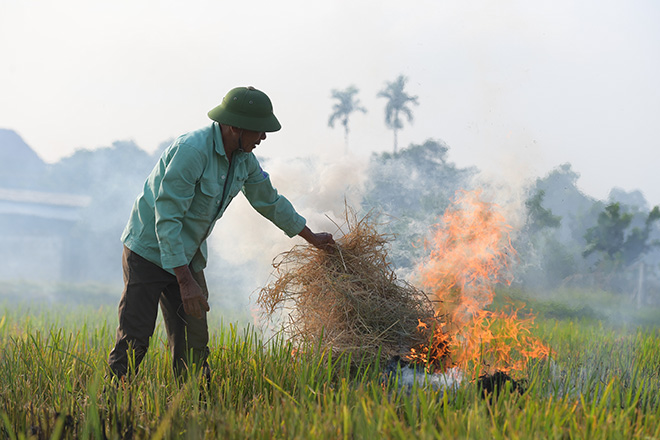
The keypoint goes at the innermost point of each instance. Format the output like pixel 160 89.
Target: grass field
pixel 602 382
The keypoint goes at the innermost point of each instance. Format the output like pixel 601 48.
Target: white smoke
pixel 319 188
pixel 508 195
pixel 448 381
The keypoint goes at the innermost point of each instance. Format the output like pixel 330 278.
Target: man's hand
pixel 322 240
pixel 194 302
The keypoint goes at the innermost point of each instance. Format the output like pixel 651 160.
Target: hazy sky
pixel 515 87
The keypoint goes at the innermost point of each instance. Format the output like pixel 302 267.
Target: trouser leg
pixel 138 310
pixel 187 335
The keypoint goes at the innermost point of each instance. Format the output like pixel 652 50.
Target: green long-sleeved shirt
pixel 188 190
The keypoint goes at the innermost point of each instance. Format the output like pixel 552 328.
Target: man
pixel 165 238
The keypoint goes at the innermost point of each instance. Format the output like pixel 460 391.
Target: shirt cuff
pixel 294 227
pixel 172 261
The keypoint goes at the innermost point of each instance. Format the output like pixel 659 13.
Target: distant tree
pixel 544 261
pixel 562 196
pixel 622 240
pixel 410 190
pixel 633 199
pixel 573 240
pixel 347 104
pixel 397 103
pixel 613 238
pixel 539 217
pixel 551 242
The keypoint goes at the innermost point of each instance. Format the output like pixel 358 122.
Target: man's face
pixel 251 139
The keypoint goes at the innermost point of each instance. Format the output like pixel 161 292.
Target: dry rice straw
pixel 348 300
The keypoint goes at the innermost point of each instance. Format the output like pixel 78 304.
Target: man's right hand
pixel 322 240
pixel 192 296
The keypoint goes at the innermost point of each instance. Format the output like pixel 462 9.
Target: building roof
pixel 46 198
pixel 42 204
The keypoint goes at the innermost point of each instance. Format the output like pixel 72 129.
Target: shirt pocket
pixel 206 200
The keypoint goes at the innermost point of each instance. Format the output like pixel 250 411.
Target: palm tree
pixel 397 104
pixel 342 110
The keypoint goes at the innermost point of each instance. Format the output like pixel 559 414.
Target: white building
pixel 36 228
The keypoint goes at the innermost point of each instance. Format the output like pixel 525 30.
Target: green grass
pixel 36 292
pixel 616 310
pixel 602 382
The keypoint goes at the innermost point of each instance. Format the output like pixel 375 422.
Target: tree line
pixel 568 239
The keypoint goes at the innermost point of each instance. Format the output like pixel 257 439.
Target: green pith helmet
pixel 246 108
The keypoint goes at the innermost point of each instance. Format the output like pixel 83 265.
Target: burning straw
pixel 469 253
pixel 348 300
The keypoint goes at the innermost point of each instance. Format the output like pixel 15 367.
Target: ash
pixel 408 376
pixel 449 380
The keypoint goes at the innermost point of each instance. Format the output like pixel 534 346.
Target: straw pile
pixel 348 300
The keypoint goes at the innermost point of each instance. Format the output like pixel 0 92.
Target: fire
pixel 469 252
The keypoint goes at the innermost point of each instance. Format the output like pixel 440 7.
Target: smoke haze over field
pixel 515 88
pixel 64 226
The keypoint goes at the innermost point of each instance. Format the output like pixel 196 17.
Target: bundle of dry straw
pixel 348 300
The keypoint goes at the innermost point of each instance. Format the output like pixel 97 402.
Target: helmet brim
pixel 267 124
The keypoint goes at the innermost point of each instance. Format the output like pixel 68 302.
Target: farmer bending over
pixel 165 239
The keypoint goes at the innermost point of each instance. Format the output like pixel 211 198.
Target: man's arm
pixel 176 191
pixel 173 197
pixel 322 240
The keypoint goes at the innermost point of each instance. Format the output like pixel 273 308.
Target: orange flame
pixel 469 253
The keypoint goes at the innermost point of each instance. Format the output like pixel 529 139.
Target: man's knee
pixel 125 357
pixel 193 360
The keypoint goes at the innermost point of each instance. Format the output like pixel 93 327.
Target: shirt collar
pixel 217 139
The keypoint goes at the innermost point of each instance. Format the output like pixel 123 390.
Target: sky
pixel 514 87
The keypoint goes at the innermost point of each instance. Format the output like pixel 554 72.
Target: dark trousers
pixel 145 286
